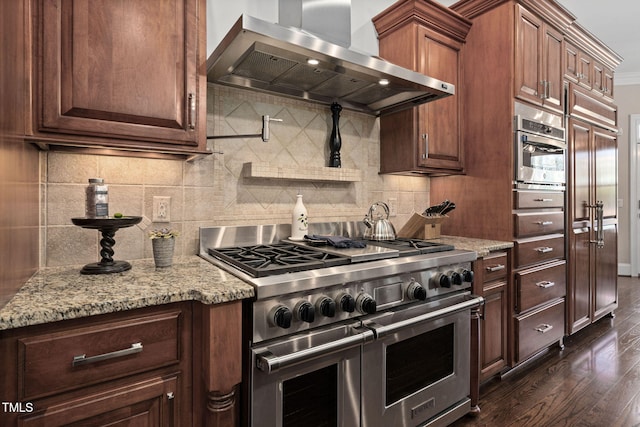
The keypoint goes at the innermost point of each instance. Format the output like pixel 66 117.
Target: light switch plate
pixel 161 209
pixel 393 206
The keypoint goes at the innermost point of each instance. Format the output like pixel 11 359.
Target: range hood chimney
pixel 307 56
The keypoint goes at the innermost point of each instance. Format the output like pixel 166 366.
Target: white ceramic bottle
pixel 299 220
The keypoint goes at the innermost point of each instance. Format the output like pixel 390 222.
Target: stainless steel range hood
pixel 263 56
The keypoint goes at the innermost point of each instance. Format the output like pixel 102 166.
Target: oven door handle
pixel 268 362
pixel 382 330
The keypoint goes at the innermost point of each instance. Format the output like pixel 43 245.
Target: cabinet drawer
pixel 79 357
pixel 539 329
pixel 539 199
pixel 539 285
pixel 539 249
pixel 538 223
pixel 494 267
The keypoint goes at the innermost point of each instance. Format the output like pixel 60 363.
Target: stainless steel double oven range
pixel 374 336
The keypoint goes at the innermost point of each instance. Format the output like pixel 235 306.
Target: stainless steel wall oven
pixel 540 148
pixel 374 336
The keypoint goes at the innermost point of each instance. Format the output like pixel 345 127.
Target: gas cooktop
pixel 287 257
pixel 277 258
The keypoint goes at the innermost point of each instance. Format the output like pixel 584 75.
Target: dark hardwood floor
pixel 594 381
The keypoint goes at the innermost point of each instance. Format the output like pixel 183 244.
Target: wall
pixel 628 100
pixel 213 191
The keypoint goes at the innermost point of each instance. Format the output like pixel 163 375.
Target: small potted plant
pixel 163 241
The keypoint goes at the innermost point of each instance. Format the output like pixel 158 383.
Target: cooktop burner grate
pixel 277 258
pixel 408 246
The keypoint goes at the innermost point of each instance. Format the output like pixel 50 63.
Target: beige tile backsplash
pixel 213 191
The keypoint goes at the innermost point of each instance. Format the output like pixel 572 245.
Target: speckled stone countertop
pixel 481 246
pixel 63 293
pixel 55 294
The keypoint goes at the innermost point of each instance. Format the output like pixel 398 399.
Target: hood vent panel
pixel 267 57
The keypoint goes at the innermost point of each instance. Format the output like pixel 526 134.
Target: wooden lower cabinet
pixel 151 402
pixel 539 328
pixel 491 281
pixel 171 365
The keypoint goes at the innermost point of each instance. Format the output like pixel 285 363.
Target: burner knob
pixel 365 304
pixel 456 278
pixel 416 291
pixel 467 275
pixel 280 316
pixel 305 311
pixel 326 306
pixel 442 280
pixel 347 303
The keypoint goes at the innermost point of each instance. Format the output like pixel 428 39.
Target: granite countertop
pixel 62 293
pixel 482 246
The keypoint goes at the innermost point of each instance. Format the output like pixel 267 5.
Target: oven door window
pixel 311 400
pixel 414 363
pixel 543 157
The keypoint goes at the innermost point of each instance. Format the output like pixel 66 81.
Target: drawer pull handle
pixel 544 250
pixel 84 360
pixel 543 200
pixel 545 327
pixel 545 284
pixel 496 267
pixel 543 223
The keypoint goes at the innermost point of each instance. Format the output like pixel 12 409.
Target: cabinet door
pixel 579 290
pixel 607 83
pixel 150 403
pixel 552 53
pixel 606 274
pixel 585 70
pixel 571 62
pixel 494 330
pixel 439 145
pixel 606 170
pixel 580 170
pixel 528 72
pixel 122 70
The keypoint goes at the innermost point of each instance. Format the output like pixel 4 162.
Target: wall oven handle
pixel 268 362
pixel 473 301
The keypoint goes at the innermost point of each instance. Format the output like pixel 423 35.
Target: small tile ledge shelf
pixel 308 173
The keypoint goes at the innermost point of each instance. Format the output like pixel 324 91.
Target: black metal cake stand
pixel 108 228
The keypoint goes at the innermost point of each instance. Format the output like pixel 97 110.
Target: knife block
pixel 422 226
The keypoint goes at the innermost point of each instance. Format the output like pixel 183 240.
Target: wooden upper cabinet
pixel 428 38
pixel 439 124
pixel 539 61
pixel 125 74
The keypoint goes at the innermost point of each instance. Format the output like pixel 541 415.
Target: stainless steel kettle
pixel 379 228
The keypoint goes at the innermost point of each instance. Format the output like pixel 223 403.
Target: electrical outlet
pixel 393 206
pixel 161 209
